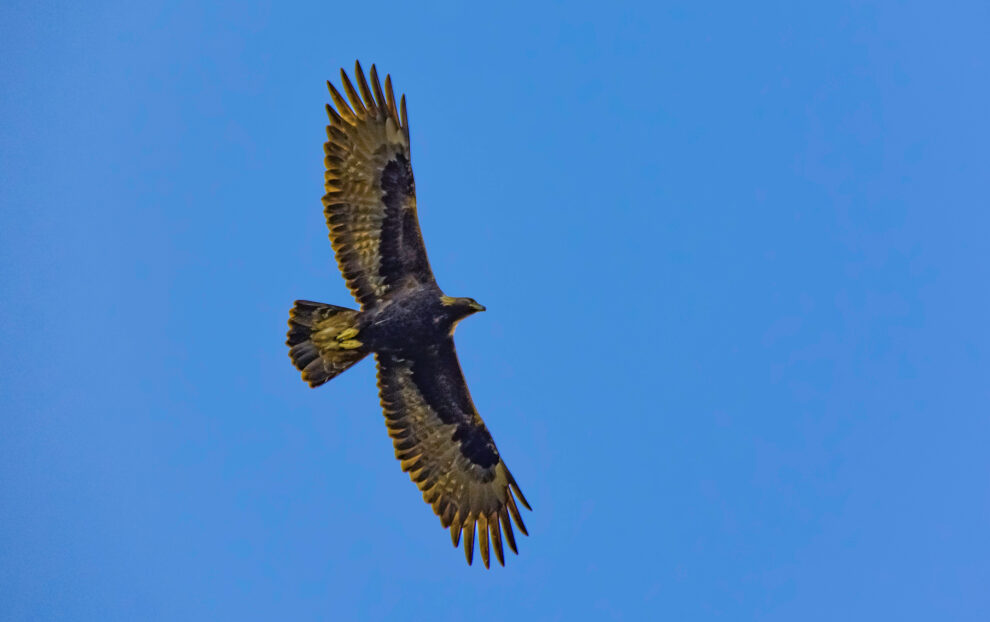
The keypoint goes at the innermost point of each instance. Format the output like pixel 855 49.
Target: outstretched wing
pixel 444 445
pixel 370 201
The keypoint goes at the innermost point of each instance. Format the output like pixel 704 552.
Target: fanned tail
pixel 323 340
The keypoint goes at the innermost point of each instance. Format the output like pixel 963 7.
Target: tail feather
pixel 323 340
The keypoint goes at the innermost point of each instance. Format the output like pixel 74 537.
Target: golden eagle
pixel 405 320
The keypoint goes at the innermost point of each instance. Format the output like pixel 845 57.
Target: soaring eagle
pixel 405 320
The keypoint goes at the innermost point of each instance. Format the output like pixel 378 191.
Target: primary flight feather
pixel 405 320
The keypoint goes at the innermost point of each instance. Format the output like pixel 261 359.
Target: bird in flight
pixel 405 320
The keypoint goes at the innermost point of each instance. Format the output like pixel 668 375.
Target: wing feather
pixel 495 538
pixel 379 96
pixel 370 200
pixel 483 538
pixel 443 444
pixel 510 538
pixel 370 105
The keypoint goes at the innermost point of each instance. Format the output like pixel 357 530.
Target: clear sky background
pixel 736 349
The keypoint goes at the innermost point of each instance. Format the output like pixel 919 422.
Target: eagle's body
pixel 405 320
pixel 411 321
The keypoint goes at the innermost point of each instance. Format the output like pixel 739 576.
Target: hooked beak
pixel 477 307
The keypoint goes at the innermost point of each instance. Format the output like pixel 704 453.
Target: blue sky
pixel 736 349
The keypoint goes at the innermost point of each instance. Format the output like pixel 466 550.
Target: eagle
pixel 405 320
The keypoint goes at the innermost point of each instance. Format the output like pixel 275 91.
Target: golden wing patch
pixel 445 447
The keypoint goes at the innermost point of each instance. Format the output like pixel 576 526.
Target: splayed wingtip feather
pixel 469 542
pixel 352 95
pixel 377 86
pixel 496 538
pixel 483 539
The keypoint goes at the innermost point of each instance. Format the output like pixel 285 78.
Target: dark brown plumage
pixel 405 320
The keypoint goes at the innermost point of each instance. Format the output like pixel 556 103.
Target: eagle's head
pixel 459 308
